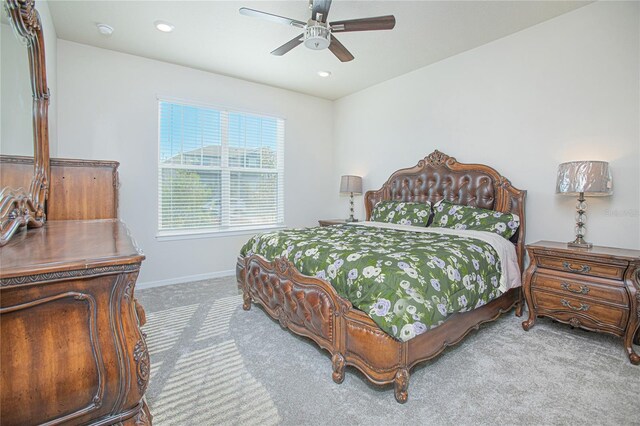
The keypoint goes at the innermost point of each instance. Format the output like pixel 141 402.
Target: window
pixel 218 170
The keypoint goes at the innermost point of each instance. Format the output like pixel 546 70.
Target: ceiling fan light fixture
pixel 317 37
pixel 317 31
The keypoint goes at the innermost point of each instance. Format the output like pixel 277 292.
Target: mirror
pixel 16 131
pixel 24 122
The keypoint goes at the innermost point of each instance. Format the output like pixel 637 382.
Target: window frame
pixel 226 228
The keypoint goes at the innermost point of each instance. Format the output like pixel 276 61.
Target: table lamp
pixel 352 185
pixel 583 178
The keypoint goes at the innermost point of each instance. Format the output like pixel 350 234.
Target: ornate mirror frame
pixel 17 206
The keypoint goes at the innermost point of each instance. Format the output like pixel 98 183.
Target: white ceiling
pixel 213 36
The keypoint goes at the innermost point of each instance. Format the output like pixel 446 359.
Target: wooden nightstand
pixel 596 289
pixel 329 222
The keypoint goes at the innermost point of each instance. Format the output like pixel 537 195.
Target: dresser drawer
pixel 590 314
pixel 581 288
pixel 583 267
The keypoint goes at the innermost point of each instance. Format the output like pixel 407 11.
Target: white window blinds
pixel 218 170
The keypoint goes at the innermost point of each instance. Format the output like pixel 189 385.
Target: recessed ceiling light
pixel 324 73
pixel 105 29
pixel 164 26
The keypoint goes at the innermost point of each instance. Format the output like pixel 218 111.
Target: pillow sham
pixel 402 212
pixel 448 215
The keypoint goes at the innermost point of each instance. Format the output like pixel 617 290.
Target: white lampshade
pixel 350 183
pixel 593 178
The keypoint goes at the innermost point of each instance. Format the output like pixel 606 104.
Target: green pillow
pixel 448 215
pixel 402 212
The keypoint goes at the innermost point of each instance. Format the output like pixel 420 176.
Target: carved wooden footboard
pixel 311 307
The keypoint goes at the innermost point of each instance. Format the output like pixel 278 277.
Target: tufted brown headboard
pixel 439 176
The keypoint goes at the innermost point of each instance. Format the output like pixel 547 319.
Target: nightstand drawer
pixel 583 267
pixel 592 315
pixel 581 288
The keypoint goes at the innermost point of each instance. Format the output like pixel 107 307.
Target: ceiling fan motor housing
pixel 317 37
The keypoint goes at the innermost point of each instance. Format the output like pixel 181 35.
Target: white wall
pixel 566 89
pixel 108 110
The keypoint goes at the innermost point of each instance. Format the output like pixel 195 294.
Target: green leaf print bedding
pixel 407 281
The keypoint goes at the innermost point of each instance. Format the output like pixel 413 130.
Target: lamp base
pixel 351 218
pixel 579 242
pixel 581 218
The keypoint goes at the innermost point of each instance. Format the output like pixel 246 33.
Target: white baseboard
pixel 185 279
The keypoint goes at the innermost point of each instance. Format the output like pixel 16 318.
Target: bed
pixel 310 306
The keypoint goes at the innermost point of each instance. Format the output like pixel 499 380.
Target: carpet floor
pixel 214 364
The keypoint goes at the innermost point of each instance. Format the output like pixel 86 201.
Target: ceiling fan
pixel 318 34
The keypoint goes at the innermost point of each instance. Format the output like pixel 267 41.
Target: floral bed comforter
pixel 408 279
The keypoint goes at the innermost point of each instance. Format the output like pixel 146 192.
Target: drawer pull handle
pixel 568 304
pixel 583 288
pixel 583 269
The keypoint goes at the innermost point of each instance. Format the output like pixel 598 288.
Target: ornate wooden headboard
pixel 439 176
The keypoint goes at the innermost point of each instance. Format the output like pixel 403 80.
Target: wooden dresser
pixel 79 189
pixel 72 349
pixel 596 289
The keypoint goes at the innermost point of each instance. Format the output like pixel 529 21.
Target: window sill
pixel 191 235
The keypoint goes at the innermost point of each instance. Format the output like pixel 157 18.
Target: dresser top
pixel 68 245
pixel 599 251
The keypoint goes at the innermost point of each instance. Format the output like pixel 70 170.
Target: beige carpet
pixel 214 364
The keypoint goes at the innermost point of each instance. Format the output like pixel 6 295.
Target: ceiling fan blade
pixel 271 17
pixel 339 50
pixel 321 8
pixel 288 46
pixel 365 24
